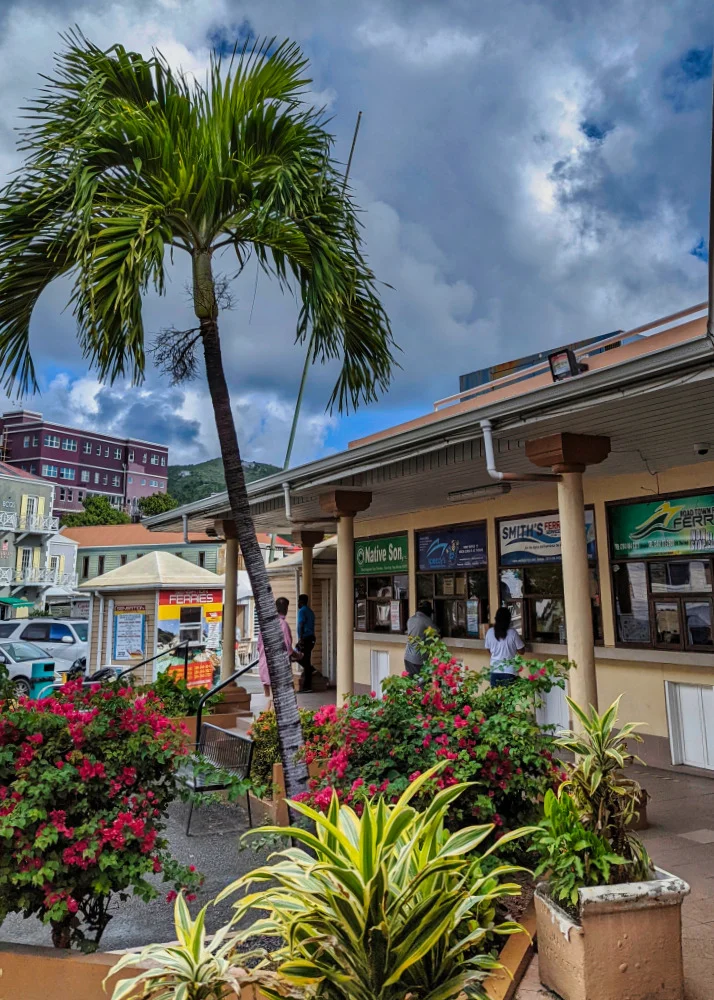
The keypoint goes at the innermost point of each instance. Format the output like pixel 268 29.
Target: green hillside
pixel 194 482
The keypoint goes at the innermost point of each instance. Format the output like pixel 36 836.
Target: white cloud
pixel 421 46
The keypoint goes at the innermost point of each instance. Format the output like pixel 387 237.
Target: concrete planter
pixel 628 943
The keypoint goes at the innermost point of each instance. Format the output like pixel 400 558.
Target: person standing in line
pixel 416 628
pixel 503 643
pixel 281 606
pixel 306 638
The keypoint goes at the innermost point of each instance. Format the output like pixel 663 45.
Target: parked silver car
pixel 65 639
pixel 18 658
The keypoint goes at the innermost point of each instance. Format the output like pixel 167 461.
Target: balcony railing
pixel 31 523
pixel 34 576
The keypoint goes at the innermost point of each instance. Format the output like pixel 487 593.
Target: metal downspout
pixel 509 477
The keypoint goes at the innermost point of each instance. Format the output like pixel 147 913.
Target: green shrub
pixel 266 749
pixel 572 855
pixel 179 700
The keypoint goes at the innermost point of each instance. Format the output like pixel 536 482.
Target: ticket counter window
pixel 535 597
pixel 664 603
pixel 375 597
pixel 460 601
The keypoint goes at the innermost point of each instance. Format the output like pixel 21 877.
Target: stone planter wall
pixel 628 942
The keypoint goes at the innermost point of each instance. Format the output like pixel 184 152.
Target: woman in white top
pixel 503 643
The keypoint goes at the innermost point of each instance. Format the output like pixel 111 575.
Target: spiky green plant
pixel 382 906
pixel 195 968
pixel 606 798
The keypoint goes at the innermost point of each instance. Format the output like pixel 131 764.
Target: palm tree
pixel 128 162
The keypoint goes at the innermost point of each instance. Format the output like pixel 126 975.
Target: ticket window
pixel 190 625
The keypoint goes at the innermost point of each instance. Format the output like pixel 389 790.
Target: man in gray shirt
pixel 416 627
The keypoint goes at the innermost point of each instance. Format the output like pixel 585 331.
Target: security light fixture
pixel 564 364
pixel 479 492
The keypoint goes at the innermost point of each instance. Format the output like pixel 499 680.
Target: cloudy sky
pixel 531 172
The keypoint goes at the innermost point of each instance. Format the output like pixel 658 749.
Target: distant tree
pixel 157 503
pixel 97 510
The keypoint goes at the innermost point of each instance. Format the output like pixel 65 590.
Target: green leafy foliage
pixel 572 855
pixel 196 967
pixel 86 778
pixel 383 905
pixel 97 510
pixel 266 749
pixel 177 698
pixel 157 503
pixel 606 798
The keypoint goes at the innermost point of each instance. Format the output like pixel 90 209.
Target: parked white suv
pixel 64 639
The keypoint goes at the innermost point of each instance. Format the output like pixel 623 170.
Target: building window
pixel 452 575
pixel 52 441
pixel 131 455
pixel 130 479
pixel 70 495
pixel 87 448
pixel 143 460
pixel 67 473
pixel 143 482
pixel 26 441
pixel 154 459
pixel 531 576
pixel 85 475
pixel 163 459
pixel 61 493
pixel 80 495
pixel 33 468
pixel 49 470
pixel 190 624
pixel 69 444
pixel 96 477
pixel 85 566
pixel 106 451
pixel 117 453
pixel 100 565
pixel 122 559
pixel 116 480
pixel 139 555
pixel 99 449
pixel 153 482
pixel 202 559
pixel 662 572
pixel 381 584
pixel 105 479
pixel 35 440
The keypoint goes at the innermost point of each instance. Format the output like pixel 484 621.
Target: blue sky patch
pixel 680 79
pixel 700 250
pixel 224 37
pixel 595 131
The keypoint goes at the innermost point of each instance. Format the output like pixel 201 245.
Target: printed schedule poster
pixel 129 632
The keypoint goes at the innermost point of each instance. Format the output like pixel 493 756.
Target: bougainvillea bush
pixel 86 777
pixel 489 737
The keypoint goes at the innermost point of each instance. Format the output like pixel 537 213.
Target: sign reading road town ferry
pixel 536 539
pixel 674 527
pixel 381 555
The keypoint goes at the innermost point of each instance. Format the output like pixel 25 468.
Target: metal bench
pixel 226 753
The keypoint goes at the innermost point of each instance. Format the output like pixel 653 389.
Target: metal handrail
pixel 216 689
pixel 164 652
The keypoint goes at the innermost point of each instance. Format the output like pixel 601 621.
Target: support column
pixel 307 540
pixel 345 607
pixel 568 455
pixel 576 587
pixel 344 504
pixel 230 600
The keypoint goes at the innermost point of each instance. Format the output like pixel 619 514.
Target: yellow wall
pixel 638 675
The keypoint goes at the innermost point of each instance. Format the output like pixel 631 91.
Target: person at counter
pixel 416 629
pixel 503 643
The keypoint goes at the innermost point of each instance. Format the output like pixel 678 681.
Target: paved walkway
pixel 680 840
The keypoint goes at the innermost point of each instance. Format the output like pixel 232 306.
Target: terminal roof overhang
pixel 653 405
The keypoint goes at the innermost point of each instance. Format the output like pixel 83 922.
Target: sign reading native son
pixel 376 556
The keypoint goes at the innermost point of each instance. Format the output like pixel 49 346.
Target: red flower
pixel 171 896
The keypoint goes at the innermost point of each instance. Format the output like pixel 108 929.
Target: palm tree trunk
pixel 281 677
